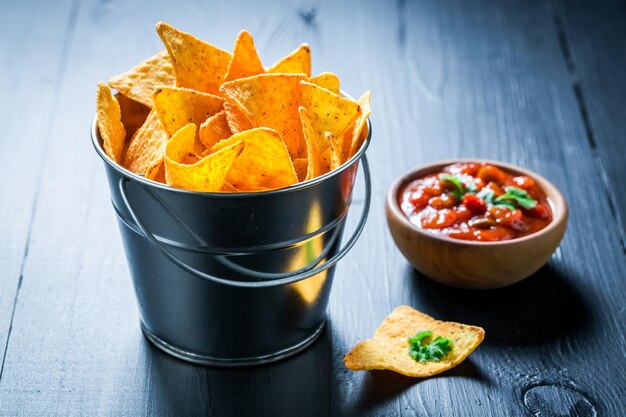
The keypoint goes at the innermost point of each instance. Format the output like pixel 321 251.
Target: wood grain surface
pixel 538 84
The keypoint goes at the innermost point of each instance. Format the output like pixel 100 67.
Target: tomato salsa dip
pixel 476 201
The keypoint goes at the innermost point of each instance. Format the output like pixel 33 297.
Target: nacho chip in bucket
pixel 245 61
pixel 297 62
pixel 328 80
pixel 110 123
pixel 208 173
pixel 145 152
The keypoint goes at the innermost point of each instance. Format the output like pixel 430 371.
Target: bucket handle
pixel 297 276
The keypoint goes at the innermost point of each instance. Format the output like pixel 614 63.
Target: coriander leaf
pixel 458 190
pixel 423 348
pixel 487 195
pixel 516 196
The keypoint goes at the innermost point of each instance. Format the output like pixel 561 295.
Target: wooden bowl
pixel 472 264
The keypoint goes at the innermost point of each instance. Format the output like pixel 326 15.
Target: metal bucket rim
pixel 96 141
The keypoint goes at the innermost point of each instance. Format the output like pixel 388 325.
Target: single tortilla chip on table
pixel 328 80
pixel 110 123
pixel 245 61
pixel 197 64
pixel 270 100
pixel 389 347
pixel 145 152
pixel 297 62
pixel 139 82
pixel 263 164
pixel 205 175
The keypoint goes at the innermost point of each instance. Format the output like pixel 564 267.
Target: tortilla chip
pixel 134 114
pixel 270 100
pixel 110 123
pixel 237 121
pixel 147 148
pixel 353 139
pixel 297 62
pixel 139 82
pixel 207 174
pixel 197 64
pixel 214 129
pixel 316 165
pixel 328 80
pixel 334 151
pixel 245 61
pixel 229 188
pixel 301 165
pixel 263 164
pixel 328 111
pixel 389 347
pixel 157 173
pixel 178 106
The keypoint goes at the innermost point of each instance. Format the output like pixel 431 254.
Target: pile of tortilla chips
pixel 200 118
pixel 388 349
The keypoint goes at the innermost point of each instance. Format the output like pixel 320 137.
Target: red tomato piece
pixel 474 203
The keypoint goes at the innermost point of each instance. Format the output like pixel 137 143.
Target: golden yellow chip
pixel 138 82
pixel 328 80
pixel 237 121
pixel 214 129
pixel 301 165
pixel 297 62
pixel 389 348
pixel 134 114
pixel 334 151
pixel 353 139
pixel 178 106
pixel 245 61
pixel 207 174
pixel 110 123
pixel 328 111
pixel 270 100
pixel 197 64
pixel 316 165
pixel 263 164
pixel 145 152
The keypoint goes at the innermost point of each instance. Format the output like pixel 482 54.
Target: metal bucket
pixel 233 279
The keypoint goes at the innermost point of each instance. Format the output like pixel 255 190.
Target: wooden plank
pixel 454 78
pixel 592 42
pixel 33 58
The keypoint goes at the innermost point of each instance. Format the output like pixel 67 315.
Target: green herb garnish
pixel 458 188
pixel 515 196
pixel 423 348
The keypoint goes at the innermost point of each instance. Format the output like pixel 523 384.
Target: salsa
pixel 476 201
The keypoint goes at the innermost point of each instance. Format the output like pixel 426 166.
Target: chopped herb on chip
pixel 423 348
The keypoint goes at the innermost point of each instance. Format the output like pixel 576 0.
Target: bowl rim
pixel 553 194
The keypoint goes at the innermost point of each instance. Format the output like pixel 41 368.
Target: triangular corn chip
pixel 134 114
pixel 245 61
pixel 110 124
pixel 270 100
pixel 178 106
pixel 214 129
pixel 328 111
pixel 301 165
pixel 334 151
pixel 389 348
pixel 207 174
pixel 197 64
pixel 263 164
pixel 328 80
pixel 297 62
pixel 353 139
pixel 138 82
pixel 145 152
pixel 316 165
pixel 237 121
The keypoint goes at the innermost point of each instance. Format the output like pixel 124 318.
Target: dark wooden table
pixel 539 84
